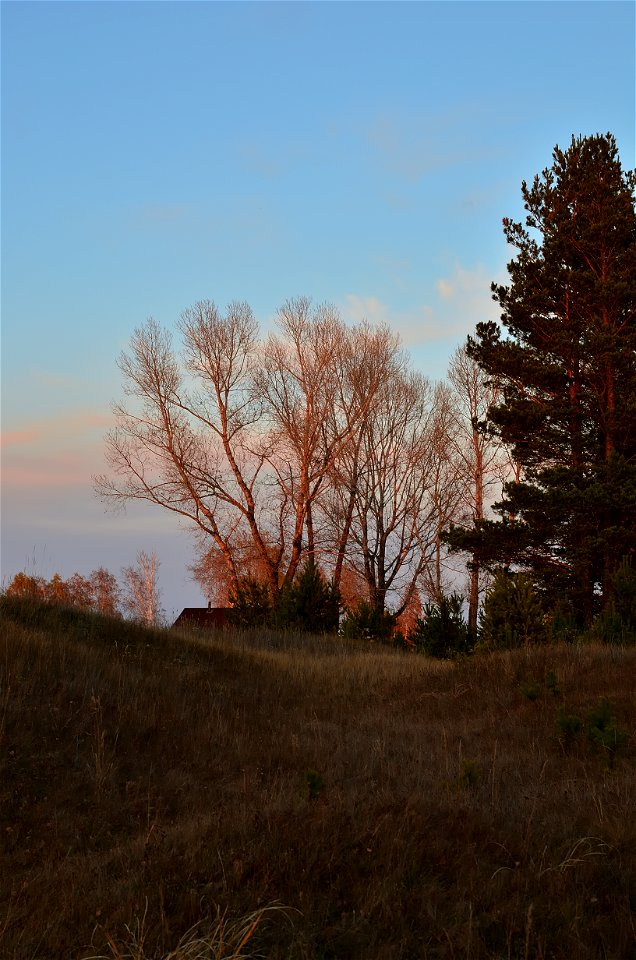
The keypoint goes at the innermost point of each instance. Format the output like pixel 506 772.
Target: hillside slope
pixel 398 807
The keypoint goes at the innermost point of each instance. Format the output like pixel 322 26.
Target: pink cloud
pixel 43 475
pixel 59 423
pixel 59 451
pixel 17 437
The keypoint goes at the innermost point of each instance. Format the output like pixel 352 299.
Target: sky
pixel 158 153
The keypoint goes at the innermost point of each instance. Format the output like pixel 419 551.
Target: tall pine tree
pixel 565 357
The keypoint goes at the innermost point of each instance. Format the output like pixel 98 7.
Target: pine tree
pixel 566 361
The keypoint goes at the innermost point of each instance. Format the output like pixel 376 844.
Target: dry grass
pixel 399 807
pixel 223 940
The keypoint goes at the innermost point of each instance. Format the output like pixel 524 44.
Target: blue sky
pixel 154 154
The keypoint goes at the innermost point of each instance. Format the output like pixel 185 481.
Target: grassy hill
pixel 379 805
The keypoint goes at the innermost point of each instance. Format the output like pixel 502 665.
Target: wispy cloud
pixel 406 149
pixel 63 468
pixel 464 297
pixel 459 301
pixel 260 162
pixel 15 438
pixel 162 214
pixel 408 324
pixel 62 450
pixel 269 162
pixel 444 288
pixel 413 146
pixel 397 269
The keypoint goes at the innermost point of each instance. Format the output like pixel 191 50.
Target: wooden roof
pixel 203 617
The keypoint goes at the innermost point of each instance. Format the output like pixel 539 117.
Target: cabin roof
pixel 203 616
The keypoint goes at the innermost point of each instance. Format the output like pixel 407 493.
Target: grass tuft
pixel 222 939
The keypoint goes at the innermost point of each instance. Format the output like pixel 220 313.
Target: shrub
pixel 530 689
pixel 512 615
pixel 441 631
pixel 601 730
pixel 76 623
pixel 552 683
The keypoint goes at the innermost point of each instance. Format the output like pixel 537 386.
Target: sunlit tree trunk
pixel 484 460
pixel 140 593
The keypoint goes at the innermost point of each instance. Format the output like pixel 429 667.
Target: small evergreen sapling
pixel 366 622
pixel 512 615
pixel 251 604
pixel 441 631
pixel 309 603
pixel 617 622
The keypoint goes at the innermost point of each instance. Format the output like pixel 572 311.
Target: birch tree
pixel 390 532
pixel 445 491
pixel 189 439
pixel 141 596
pixel 239 437
pixel 484 462
pixel 306 380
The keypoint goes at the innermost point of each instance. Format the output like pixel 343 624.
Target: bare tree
pixel 445 489
pixel 194 447
pixel 296 380
pixel 373 357
pixel 319 440
pixel 236 498
pixel 241 439
pixel 141 597
pixel 389 536
pixel 318 386
pixel 485 462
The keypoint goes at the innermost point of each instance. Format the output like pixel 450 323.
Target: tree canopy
pixel 317 442
pixel 564 358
